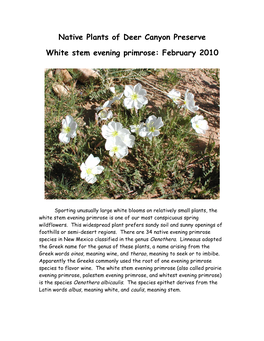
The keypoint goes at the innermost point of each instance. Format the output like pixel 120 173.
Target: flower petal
pixel 106 131
pixel 91 179
pixel 156 133
pixel 92 161
pixel 137 88
pixel 128 90
pixel 159 123
pixel 64 138
pixel 128 103
pixel 98 169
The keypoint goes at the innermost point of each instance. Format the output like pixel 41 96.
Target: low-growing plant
pixel 123 148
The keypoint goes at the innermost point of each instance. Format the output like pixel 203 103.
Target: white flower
pixel 105 115
pixel 143 131
pixel 107 104
pixel 189 102
pixel 68 131
pixel 135 128
pixel 113 129
pixel 175 96
pixel 127 138
pixel 138 128
pixel 116 147
pixel 199 124
pixel 112 89
pixel 153 124
pixel 117 97
pixel 135 96
pixel 90 168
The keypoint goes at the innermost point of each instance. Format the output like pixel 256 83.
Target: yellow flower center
pixel 152 129
pixel 67 129
pixel 88 171
pixel 115 133
pixel 115 149
pixel 134 96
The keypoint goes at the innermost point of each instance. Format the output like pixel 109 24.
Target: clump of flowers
pixel 199 124
pixel 150 128
pixel 153 125
pixel 137 128
pixel 118 139
pixel 116 147
pixel 90 168
pixel 114 129
pixel 104 112
pixel 135 96
pixel 68 131
pixel 188 102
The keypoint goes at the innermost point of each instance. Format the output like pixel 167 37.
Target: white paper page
pixel 230 311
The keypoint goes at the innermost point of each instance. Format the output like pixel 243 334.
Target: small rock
pixel 60 90
pixel 85 74
pixel 50 74
pixel 64 75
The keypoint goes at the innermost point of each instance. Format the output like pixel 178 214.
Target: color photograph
pixel 132 133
